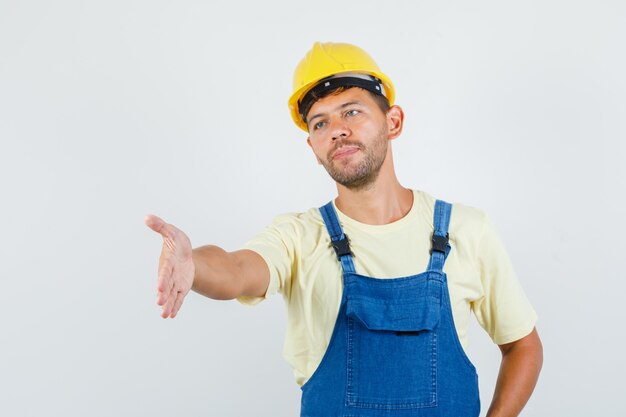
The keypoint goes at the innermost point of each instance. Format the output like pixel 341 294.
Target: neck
pixel 383 201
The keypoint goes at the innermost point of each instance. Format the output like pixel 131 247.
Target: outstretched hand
pixel 176 267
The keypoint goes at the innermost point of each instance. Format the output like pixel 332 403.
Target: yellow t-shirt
pixel 305 270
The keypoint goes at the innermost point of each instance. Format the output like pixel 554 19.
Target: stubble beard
pixel 360 176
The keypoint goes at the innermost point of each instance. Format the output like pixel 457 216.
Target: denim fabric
pixel 394 351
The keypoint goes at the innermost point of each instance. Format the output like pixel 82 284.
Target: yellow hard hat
pixel 336 61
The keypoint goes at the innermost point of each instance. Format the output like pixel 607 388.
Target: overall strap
pixel 440 245
pixel 339 240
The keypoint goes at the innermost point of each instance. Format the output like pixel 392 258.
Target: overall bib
pixel 394 351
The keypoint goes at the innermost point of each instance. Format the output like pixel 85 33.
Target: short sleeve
pixel 504 311
pixel 275 245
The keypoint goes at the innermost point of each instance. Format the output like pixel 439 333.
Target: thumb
pixel 157 224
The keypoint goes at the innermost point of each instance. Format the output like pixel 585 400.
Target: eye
pixel 319 125
pixel 352 112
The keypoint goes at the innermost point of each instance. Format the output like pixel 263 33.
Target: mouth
pixel 344 152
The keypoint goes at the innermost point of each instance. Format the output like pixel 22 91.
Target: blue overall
pixel 394 351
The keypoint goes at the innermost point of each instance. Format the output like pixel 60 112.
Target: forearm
pixel 519 371
pixel 226 275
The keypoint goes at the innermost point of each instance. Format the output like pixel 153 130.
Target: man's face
pixel 349 135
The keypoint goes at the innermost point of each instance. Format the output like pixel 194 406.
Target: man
pixel 376 327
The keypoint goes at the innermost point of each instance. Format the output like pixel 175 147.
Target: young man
pixel 380 282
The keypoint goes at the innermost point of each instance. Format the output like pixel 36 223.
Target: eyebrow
pixel 344 105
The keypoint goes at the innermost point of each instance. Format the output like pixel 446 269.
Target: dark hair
pixel 380 100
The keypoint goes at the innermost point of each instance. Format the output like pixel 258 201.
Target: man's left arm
pixel 519 371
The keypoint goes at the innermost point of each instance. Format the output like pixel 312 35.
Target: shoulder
pixel 464 220
pixel 467 225
pixel 294 225
pixel 468 220
pixel 298 220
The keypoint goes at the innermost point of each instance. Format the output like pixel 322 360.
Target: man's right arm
pixel 227 275
pixel 209 270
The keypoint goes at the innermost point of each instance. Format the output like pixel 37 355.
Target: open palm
pixel 176 267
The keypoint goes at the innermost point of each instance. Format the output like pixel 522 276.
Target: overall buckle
pixel 342 247
pixel 440 243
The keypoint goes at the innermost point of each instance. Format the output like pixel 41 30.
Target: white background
pixel 110 110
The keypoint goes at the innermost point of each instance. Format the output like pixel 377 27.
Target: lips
pixel 344 152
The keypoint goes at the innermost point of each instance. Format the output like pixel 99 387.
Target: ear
pixel 308 141
pixel 395 121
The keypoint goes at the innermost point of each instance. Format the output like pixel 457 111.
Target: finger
pixel 170 298
pixel 168 306
pixel 159 225
pixel 153 222
pixel 177 304
pixel 165 282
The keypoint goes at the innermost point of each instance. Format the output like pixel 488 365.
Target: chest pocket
pixel 392 344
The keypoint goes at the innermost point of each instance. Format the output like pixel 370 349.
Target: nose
pixel 339 129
